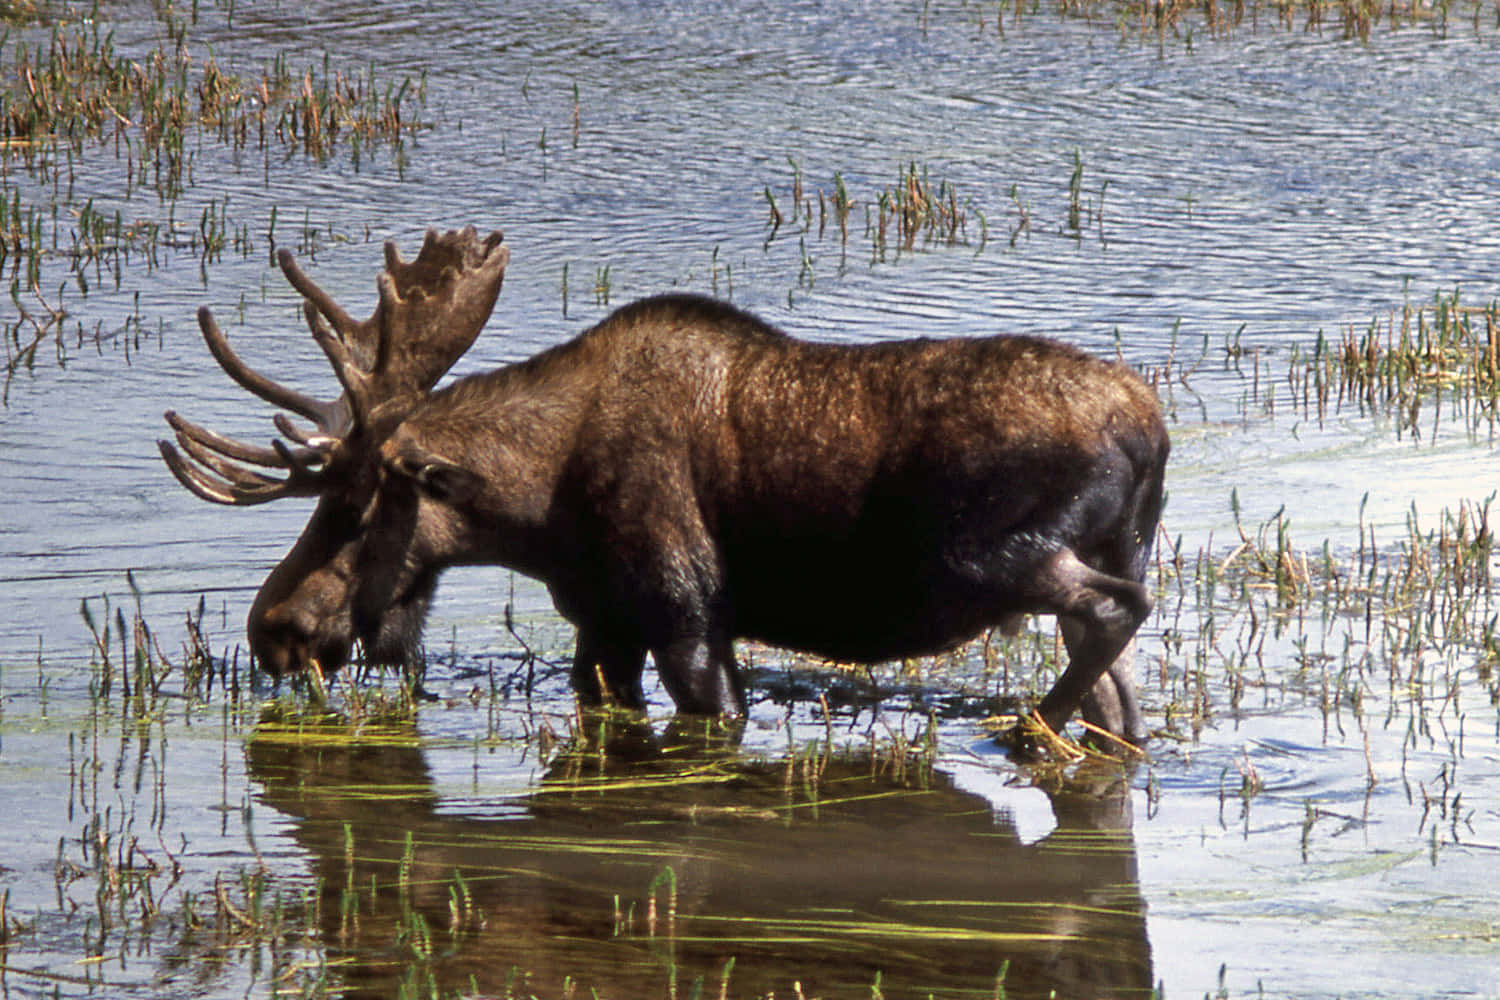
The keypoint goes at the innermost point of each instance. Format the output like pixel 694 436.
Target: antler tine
pixel 345 324
pixel 196 482
pixel 229 447
pixel 393 259
pixel 358 388
pixel 315 440
pixel 278 395
pixel 236 475
pixel 221 481
pixel 243 489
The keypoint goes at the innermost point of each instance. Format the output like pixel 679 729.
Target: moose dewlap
pixel 682 475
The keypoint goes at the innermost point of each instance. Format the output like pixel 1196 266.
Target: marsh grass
pixel 914 207
pixel 1376 633
pixel 76 88
pixel 70 96
pixel 912 211
pixel 1370 630
pixel 132 891
pixel 1428 356
pixel 1423 369
pixel 1187 20
pixel 917 211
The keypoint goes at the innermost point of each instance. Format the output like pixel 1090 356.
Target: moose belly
pixel 856 610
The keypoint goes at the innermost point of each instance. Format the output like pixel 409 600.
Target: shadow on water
pixel 688 867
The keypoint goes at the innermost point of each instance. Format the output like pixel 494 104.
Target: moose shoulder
pixel 683 474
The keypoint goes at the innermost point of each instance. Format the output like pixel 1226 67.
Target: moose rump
pixel 973 462
pixel 682 475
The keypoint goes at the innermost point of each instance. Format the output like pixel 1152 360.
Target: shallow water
pixel 1261 188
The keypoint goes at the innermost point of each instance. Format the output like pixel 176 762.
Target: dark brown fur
pixel 683 475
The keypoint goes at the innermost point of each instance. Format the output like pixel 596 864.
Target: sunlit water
pixel 1254 190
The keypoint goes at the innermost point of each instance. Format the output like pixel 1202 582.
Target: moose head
pixel 430 311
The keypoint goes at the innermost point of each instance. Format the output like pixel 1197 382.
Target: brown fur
pixel 682 475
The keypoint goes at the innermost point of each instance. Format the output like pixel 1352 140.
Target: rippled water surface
pixel 1325 819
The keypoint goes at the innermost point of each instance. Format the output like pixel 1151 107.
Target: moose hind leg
pixel 1099 615
pixel 1111 704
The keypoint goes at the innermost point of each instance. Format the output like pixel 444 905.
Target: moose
pixel 682 475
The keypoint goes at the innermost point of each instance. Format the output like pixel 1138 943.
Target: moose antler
pixel 429 312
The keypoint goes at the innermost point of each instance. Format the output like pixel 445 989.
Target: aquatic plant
pixel 910 209
pixel 1408 364
pixel 1183 20
pixel 72 94
pixel 77 86
pixel 1409 617
pixel 916 208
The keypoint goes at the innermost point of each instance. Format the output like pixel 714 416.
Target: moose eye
pixel 436 480
pixel 448 483
pixel 435 483
pixel 406 468
pixel 403 473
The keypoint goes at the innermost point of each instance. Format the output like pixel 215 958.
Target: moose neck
pixel 513 429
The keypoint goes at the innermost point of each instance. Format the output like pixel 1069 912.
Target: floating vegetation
pixel 662 870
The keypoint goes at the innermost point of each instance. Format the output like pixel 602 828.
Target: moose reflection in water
pixel 632 874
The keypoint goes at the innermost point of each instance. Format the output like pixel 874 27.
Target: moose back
pixel 682 475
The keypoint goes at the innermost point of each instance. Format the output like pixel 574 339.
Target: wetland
pixel 1282 214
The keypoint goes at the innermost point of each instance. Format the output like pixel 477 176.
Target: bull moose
pixel 682 474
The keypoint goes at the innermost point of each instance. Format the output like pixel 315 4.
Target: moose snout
pixel 287 640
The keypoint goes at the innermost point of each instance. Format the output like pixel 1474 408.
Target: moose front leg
pixel 700 674
pixel 607 670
